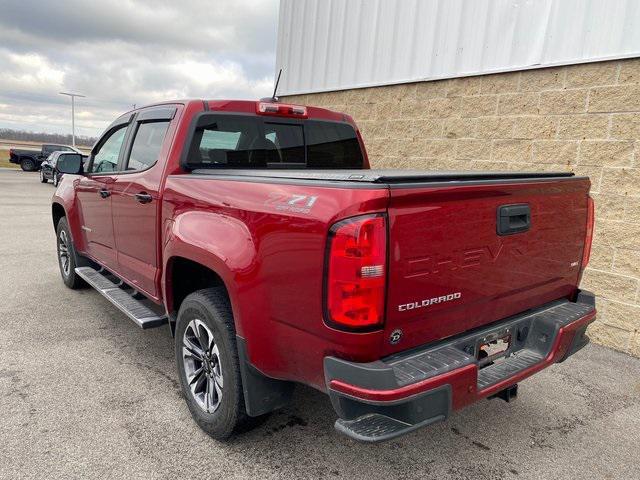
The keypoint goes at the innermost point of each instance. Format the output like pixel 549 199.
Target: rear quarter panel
pixel 267 241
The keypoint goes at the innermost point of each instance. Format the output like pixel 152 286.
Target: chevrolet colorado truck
pixel 257 231
pixel 30 160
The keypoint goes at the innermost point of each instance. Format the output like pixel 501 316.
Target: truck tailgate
pixel 451 271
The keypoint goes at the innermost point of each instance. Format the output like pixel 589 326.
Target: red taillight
pixel 356 273
pixel 281 109
pixel 588 238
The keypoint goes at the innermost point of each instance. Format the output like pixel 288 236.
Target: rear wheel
pixel 207 360
pixel 43 179
pixel 27 164
pixel 68 259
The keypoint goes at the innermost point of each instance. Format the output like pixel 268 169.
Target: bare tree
pixel 42 137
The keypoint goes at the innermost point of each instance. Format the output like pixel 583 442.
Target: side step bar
pixel 132 307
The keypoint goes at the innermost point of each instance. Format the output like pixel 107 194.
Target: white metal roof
pixel 338 44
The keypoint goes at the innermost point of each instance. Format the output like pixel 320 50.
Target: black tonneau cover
pixel 380 176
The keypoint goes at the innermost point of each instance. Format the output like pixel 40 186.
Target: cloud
pixel 124 52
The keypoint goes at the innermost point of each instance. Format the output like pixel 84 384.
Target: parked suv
pixel 257 231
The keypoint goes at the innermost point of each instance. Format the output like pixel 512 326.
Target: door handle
pixel 513 219
pixel 104 193
pixel 143 197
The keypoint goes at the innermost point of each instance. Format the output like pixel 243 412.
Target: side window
pixel 106 158
pixel 146 145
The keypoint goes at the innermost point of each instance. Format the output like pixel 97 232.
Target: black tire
pixel 69 276
pixel 55 179
pixel 211 307
pixel 43 179
pixel 28 164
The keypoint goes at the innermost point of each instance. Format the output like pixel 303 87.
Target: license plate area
pixel 493 347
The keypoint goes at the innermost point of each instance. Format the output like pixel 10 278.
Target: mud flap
pixel 261 393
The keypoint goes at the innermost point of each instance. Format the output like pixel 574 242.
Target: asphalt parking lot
pixel 86 394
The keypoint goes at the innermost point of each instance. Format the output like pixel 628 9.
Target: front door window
pixel 105 159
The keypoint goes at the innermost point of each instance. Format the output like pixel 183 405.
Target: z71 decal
pixel 291 202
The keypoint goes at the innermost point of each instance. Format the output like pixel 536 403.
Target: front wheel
pixel 27 164
pixel 55 179
pixel 43 179
pixel 207 360
pixel 68 259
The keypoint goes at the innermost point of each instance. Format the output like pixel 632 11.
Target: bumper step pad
pixel 372 427
pixel 375 427
pixel 492 374
pixel 429 364
pixel 133 308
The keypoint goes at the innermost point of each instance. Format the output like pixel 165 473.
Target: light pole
pixel 73 114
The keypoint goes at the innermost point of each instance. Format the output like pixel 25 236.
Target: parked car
pixel 48 170
pixel 30 160
pixel 257 231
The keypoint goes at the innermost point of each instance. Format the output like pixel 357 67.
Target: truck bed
pixel 389 177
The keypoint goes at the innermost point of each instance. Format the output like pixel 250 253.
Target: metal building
pixel 339 44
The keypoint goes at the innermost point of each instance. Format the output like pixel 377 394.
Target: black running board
pixel 135 309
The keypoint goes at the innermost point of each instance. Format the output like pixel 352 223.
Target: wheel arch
pixel 57 213
pixel 184 275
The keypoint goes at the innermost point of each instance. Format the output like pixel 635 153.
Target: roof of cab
pixel 245 106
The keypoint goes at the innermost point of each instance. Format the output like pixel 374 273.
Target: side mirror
pixel 69 163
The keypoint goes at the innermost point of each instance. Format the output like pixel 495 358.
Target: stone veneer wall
pixel 582 118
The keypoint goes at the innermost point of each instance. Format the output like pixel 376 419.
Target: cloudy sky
pixel 124 52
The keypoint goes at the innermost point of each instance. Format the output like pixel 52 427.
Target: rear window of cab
pixel 245 141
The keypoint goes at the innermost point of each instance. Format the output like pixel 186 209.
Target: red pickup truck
pixel 257 231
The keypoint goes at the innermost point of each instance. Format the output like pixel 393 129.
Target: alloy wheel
pixel 63 253
pixel 202 367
